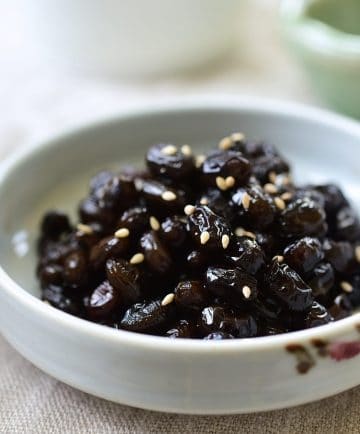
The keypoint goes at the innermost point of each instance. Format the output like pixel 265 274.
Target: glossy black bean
pixel 317 316
pixel 182 329
pixel 208 229
pixel 224 164
pixel 304 254
pixel 340 255
pixel 191 295
pixel 173 231
pixel 125 278
pixel 57 297
pixel 146 317
pixel 255 206
pixel 286 285
pixel 102 301
pixel 54 224
pixel 301 218
pixel 136 219
pixel 322 279
pixel 169 161
pixel 75 268
pixel 157 256
pixel 246 254
pixel 231 284
pixel 106 248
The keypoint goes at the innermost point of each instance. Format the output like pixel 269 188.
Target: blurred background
pixel 66 62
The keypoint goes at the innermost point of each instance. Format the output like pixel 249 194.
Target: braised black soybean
pixel 216 246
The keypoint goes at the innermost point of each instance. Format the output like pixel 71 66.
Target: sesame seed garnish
pixel 237 137
pixel 357 253
pixel 204 237
pixel 280 203
pixel 246 201
pixel 204 201
pixel 154 223
pixel 278 258
pixel 221 183
pixel 270 188
pixel 169 150
pixel 138 184
pixel 168 195
pixel 225 240
pixel 225 143
pixel 241 232
pixel 346 286
pixel 272 177
pixel 199 160
pixel 246 291
pixel 189 209
pixel 168 299
pixel 186 150
pixel 286 196
pixel 138 258
pixel 122 233
pixel 229 181
pixel 85 229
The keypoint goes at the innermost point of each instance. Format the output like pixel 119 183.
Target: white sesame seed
pixel 189 209
pixel 225 143
pixel 204 201
pixel 286 196
pixel 241 232
pixel 122 233
pixel 246 291
pixel 199 160
pixel 154 223
pixel 237 137
pixel 230 181
pixel 221 183
pixel 186 150
pixel 168 299
pixel 280 203
pixel 169 150
pixel 270 188
pixel 249 234
pixel 246 201
pixel 346 286
pixel 204 237
pixel 278 258
pixel 272 177
pixel 85 229
pixel 225 240
pixel 138 184
pixel 168 196
pixel 357 253
pixel 138 258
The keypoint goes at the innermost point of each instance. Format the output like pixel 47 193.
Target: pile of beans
pixel 214 246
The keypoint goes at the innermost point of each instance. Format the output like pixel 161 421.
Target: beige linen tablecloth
pixel 35 103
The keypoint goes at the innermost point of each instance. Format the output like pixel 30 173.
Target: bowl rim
pixel 178 105
pixel 316 35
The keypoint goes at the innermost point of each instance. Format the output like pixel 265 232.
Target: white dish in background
pixel 130 38
pixel 187 376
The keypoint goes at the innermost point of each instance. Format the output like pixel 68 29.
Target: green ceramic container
pixel 325 35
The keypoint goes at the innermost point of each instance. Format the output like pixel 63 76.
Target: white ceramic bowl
pixel 130 37
pixel 187 376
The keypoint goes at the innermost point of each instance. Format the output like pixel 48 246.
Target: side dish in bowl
pixel 288 361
